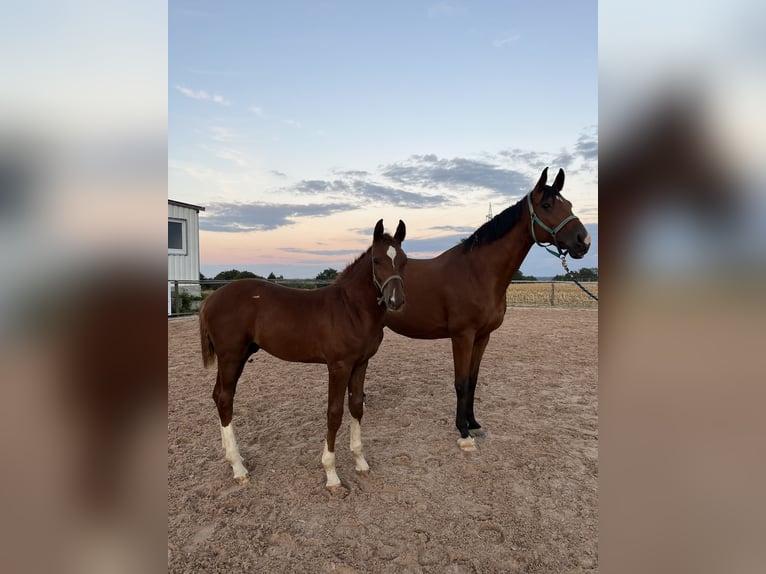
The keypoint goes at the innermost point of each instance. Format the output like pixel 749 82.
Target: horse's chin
pixel 394 308
pixel 578 254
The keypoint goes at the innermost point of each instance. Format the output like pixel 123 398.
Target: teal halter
pixel 534 219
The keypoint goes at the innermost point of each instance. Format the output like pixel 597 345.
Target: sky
pixel 297 125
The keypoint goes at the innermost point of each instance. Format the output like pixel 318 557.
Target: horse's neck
pixel 360 293
pixel 499 260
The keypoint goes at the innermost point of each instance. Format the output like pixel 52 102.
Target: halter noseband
pixel 534 219
pixel 378 284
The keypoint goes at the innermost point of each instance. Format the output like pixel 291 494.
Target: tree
pixel 584 274
pixel 232 274
pixel 272 277
pixel 328 274
pixel 519 276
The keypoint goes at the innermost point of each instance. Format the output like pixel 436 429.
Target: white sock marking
pixel 232 451
pixel 328 462
pixel 356 446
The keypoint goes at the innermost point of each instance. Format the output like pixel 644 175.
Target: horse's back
pixel 291 324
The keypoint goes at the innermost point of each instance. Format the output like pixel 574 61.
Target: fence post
pixel 553 292
pixel 177 296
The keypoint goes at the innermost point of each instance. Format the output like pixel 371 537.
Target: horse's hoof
pixel 479 432
pixel 363 472
pixel 467 444
pixel 338 490
pixel 242 480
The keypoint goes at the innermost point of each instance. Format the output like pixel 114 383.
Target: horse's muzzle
pixel 581 247
pixel 394 305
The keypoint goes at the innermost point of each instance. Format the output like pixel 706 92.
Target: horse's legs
pixel 339 376
pixel 356 408
pixel 223 395
pixel 462 346
pixel 479 345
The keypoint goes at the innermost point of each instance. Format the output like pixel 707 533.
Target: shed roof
pixel 182 204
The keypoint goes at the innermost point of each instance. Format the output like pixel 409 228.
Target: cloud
pixel 393 196
pixel 364 192
pixel 326 252
pixel 430 171
pixel 351 173
pixel 535 160
pixel 203 95
pixel 233 155
pixel 258 111
pixel 587 146
pixel 500 42
pixel 223 134
pixel 244 217
pixel 433 246
pixel 455 228
pixel 563 160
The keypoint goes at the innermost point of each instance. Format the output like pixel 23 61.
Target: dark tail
pixel 208 351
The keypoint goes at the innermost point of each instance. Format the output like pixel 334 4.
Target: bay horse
pixel 340 325
pixel 460 294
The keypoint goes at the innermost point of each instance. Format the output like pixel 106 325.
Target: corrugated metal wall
pixel 185 266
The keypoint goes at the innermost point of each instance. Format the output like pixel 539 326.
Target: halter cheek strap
pixel 534 219
pixel 386 282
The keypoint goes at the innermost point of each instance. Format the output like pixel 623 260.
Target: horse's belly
pixel 416 328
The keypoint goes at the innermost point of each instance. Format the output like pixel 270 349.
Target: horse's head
pixel 388 261
pixel 552 220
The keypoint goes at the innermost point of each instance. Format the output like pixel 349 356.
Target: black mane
pixel 502 223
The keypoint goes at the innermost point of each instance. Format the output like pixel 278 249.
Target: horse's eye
pixel 546 205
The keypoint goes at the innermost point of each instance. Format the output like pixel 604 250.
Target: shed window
pixel 177 236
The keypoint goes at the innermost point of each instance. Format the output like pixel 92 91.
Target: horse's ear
pixel 378 233
pixel 558 183
pixel 401 231
pixel 543 179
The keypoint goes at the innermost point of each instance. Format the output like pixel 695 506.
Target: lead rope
pixel 561 254
pixel 569 274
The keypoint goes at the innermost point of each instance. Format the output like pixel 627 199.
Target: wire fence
pixel 185 296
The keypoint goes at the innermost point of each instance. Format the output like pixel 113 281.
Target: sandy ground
pixel 526 501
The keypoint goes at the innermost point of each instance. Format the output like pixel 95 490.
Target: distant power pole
pixel 489 213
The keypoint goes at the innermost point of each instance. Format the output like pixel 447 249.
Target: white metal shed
pixel 183 244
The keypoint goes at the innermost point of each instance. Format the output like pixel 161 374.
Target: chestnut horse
pixel 340 325
pixel 460 294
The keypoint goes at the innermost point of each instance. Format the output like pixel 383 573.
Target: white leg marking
pixel 467 444
pixel 587 239
pixel 328 462
pixel 356 447
pixel 232 453
pixel 391 252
